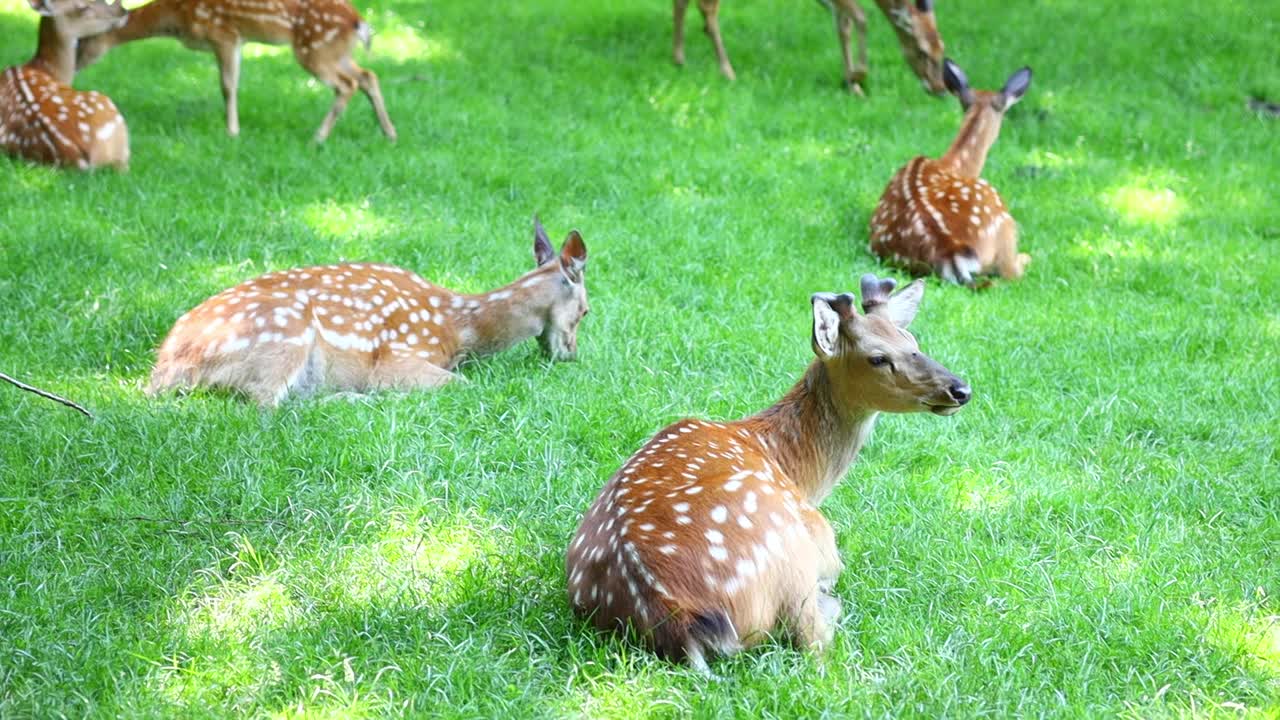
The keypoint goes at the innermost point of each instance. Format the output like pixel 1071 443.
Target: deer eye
pixel 878 360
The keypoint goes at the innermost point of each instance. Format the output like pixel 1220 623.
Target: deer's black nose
pixel 959 392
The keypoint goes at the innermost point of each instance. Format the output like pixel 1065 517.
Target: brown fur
pixel 45 120
pixel 916 29
pixel 709 538
pixel 361 327
pixel 941 216
pixel 322 34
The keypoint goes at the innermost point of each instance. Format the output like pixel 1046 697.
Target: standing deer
pixel 322 33
pixel 42 118
pixel 913 22
pixel 709 537
pixel 361 327
pixel 940 215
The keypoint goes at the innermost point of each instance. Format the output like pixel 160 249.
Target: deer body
pixel 940 215
pixel 44 119
pixel 361 327
pixel 709 537
pixel 913 22
pixel 322 33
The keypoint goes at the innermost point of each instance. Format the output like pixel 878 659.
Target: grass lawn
pixel 1098 533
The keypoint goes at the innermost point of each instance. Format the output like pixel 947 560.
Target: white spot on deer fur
pixel 719 513
pixel 744 522
pixel 749 502
pixel 668 549
pixel 500 295
pixel 718 553
pixel 693 490
pixel 715 536
pixel 745 567
pixel 683 520
pixel 732 485
pixel 681 507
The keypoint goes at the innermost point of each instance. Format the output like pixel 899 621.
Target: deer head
pixel 917 30
pixel 873 362
pixel 567 301
pixel 81 18
pixel 997 102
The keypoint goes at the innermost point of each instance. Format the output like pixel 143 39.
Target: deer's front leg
pixel 849 16
pixel 710 10
pixel 228 53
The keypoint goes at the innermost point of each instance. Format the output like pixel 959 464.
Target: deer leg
pixel 344 86
pixel 710 9
pixel 679 7
pixel 228 54
pixel 405 372
pixel 850 16
pixel 1011 263
pixel 369 86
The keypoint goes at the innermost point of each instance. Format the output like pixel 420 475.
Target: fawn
pixel 42 118
pixel 709 537
pixel 360 327
pixel 913 22
pixel 322 33
pixel 940 215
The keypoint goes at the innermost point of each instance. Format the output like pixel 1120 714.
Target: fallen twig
pixel 1264 107
pixel 23 386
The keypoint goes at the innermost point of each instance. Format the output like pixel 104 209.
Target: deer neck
pixel 811 437
pixel 899 15
pixel 978 132
pixel 493 321
pixel 55 53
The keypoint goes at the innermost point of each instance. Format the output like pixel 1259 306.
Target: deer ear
pixel 957 83
pixel 924 6
pixel 573 256
pixel 1015 87
pixel 829 309
pixel 542 250
pixel 901 309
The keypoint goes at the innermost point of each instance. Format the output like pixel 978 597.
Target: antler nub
pixel 875 291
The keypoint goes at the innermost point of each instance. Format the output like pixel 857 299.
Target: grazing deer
pixel 42 118
pixel 940 215
pixel 913 22
pixel 709 537
pixel 322 33
pixel 361 327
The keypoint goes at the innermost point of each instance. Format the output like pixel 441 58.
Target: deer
pixel 708 539
pixel 913 22
pixel 42 118
pixel 358 327
pixel 322 33
pixel 940 216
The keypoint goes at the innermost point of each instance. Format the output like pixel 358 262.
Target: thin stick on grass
pixel 23 386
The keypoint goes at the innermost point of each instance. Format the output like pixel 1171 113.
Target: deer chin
pixel 943 410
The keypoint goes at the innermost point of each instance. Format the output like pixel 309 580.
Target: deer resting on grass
pixel 939 215
pixel 44 119
pixel 709 538
pixel 322 34
pixel 361 327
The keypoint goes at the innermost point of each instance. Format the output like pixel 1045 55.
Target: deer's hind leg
pixel 336 71
pixel 369 86
pixel 812 615
pixel 850 16
pixel 1010 263
pixel 404 371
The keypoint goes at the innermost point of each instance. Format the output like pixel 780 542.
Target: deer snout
pixel 959 391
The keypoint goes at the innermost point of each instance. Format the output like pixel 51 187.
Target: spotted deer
pixel 361 327
pixel 939 215
pixel 322 34
pixel 709 537
pixel 45 120
pixel 913 22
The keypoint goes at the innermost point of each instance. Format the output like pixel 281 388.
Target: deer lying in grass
pixel 913 22
pixel 709 537
pixel 322 33
pixel 940 215
pixel 42 118
pixel 361 327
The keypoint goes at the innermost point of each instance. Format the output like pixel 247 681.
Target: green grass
pixel 1097 534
